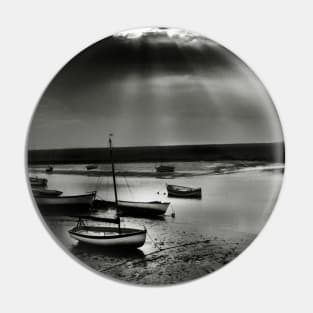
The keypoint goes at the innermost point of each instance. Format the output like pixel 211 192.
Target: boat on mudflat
pixel 105 236
pixel 183 192
pixel 165 169
pixel 109 237
pixel 38 182
pixel 75 201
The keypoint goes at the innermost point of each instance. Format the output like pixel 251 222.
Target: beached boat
pixel 38 182
pixel 110 237
pixel 75 201
pixel 46 192
pixel 91 167
pixel 183 192
pixel 165 169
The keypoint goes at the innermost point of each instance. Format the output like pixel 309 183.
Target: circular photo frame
pixel 155 156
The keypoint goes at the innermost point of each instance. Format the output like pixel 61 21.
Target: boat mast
pixel 114 183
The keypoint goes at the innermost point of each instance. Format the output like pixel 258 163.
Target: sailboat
pixel 137 208
pixel 111 237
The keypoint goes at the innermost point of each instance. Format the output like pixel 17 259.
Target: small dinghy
pixel 165 169
pixel 183 192
pixel 110 237
pixel 46 192
pixel 49 169
pixel 91 167
pixel 75 201
pixel 38 182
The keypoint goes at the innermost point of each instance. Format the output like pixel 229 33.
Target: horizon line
pixel 155 146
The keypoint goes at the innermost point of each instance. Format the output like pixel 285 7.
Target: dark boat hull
pixel 46 193
pixel 91 167
pixel 165 169
pixel 183 192
pixel 65 205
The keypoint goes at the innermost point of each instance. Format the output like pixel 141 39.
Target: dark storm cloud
pixel 154 87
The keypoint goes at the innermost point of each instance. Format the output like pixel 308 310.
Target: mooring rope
pixel 160 249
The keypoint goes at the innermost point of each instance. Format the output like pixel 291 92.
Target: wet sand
pixel 174 252
pixel 181 263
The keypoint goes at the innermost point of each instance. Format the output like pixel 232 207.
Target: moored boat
pixel 146 208
pixel 38 182
pixel 49 169
pixel 91 167
pixel 165 169
pixel 183 192
pixel 136 208
pixel 81 201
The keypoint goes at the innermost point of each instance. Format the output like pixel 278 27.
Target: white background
pixel 274 38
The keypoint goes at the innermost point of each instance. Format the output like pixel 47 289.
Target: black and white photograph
pixel 155 156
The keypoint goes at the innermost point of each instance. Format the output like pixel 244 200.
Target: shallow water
pixel 240 200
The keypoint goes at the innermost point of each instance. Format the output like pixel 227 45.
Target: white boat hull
pixel 132 239
pixel 154 208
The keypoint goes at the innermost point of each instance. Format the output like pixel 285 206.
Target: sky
pixel 154 86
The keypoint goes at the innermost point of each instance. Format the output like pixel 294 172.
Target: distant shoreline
pixel 267 152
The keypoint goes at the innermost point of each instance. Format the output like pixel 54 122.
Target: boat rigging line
pixel 129 189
